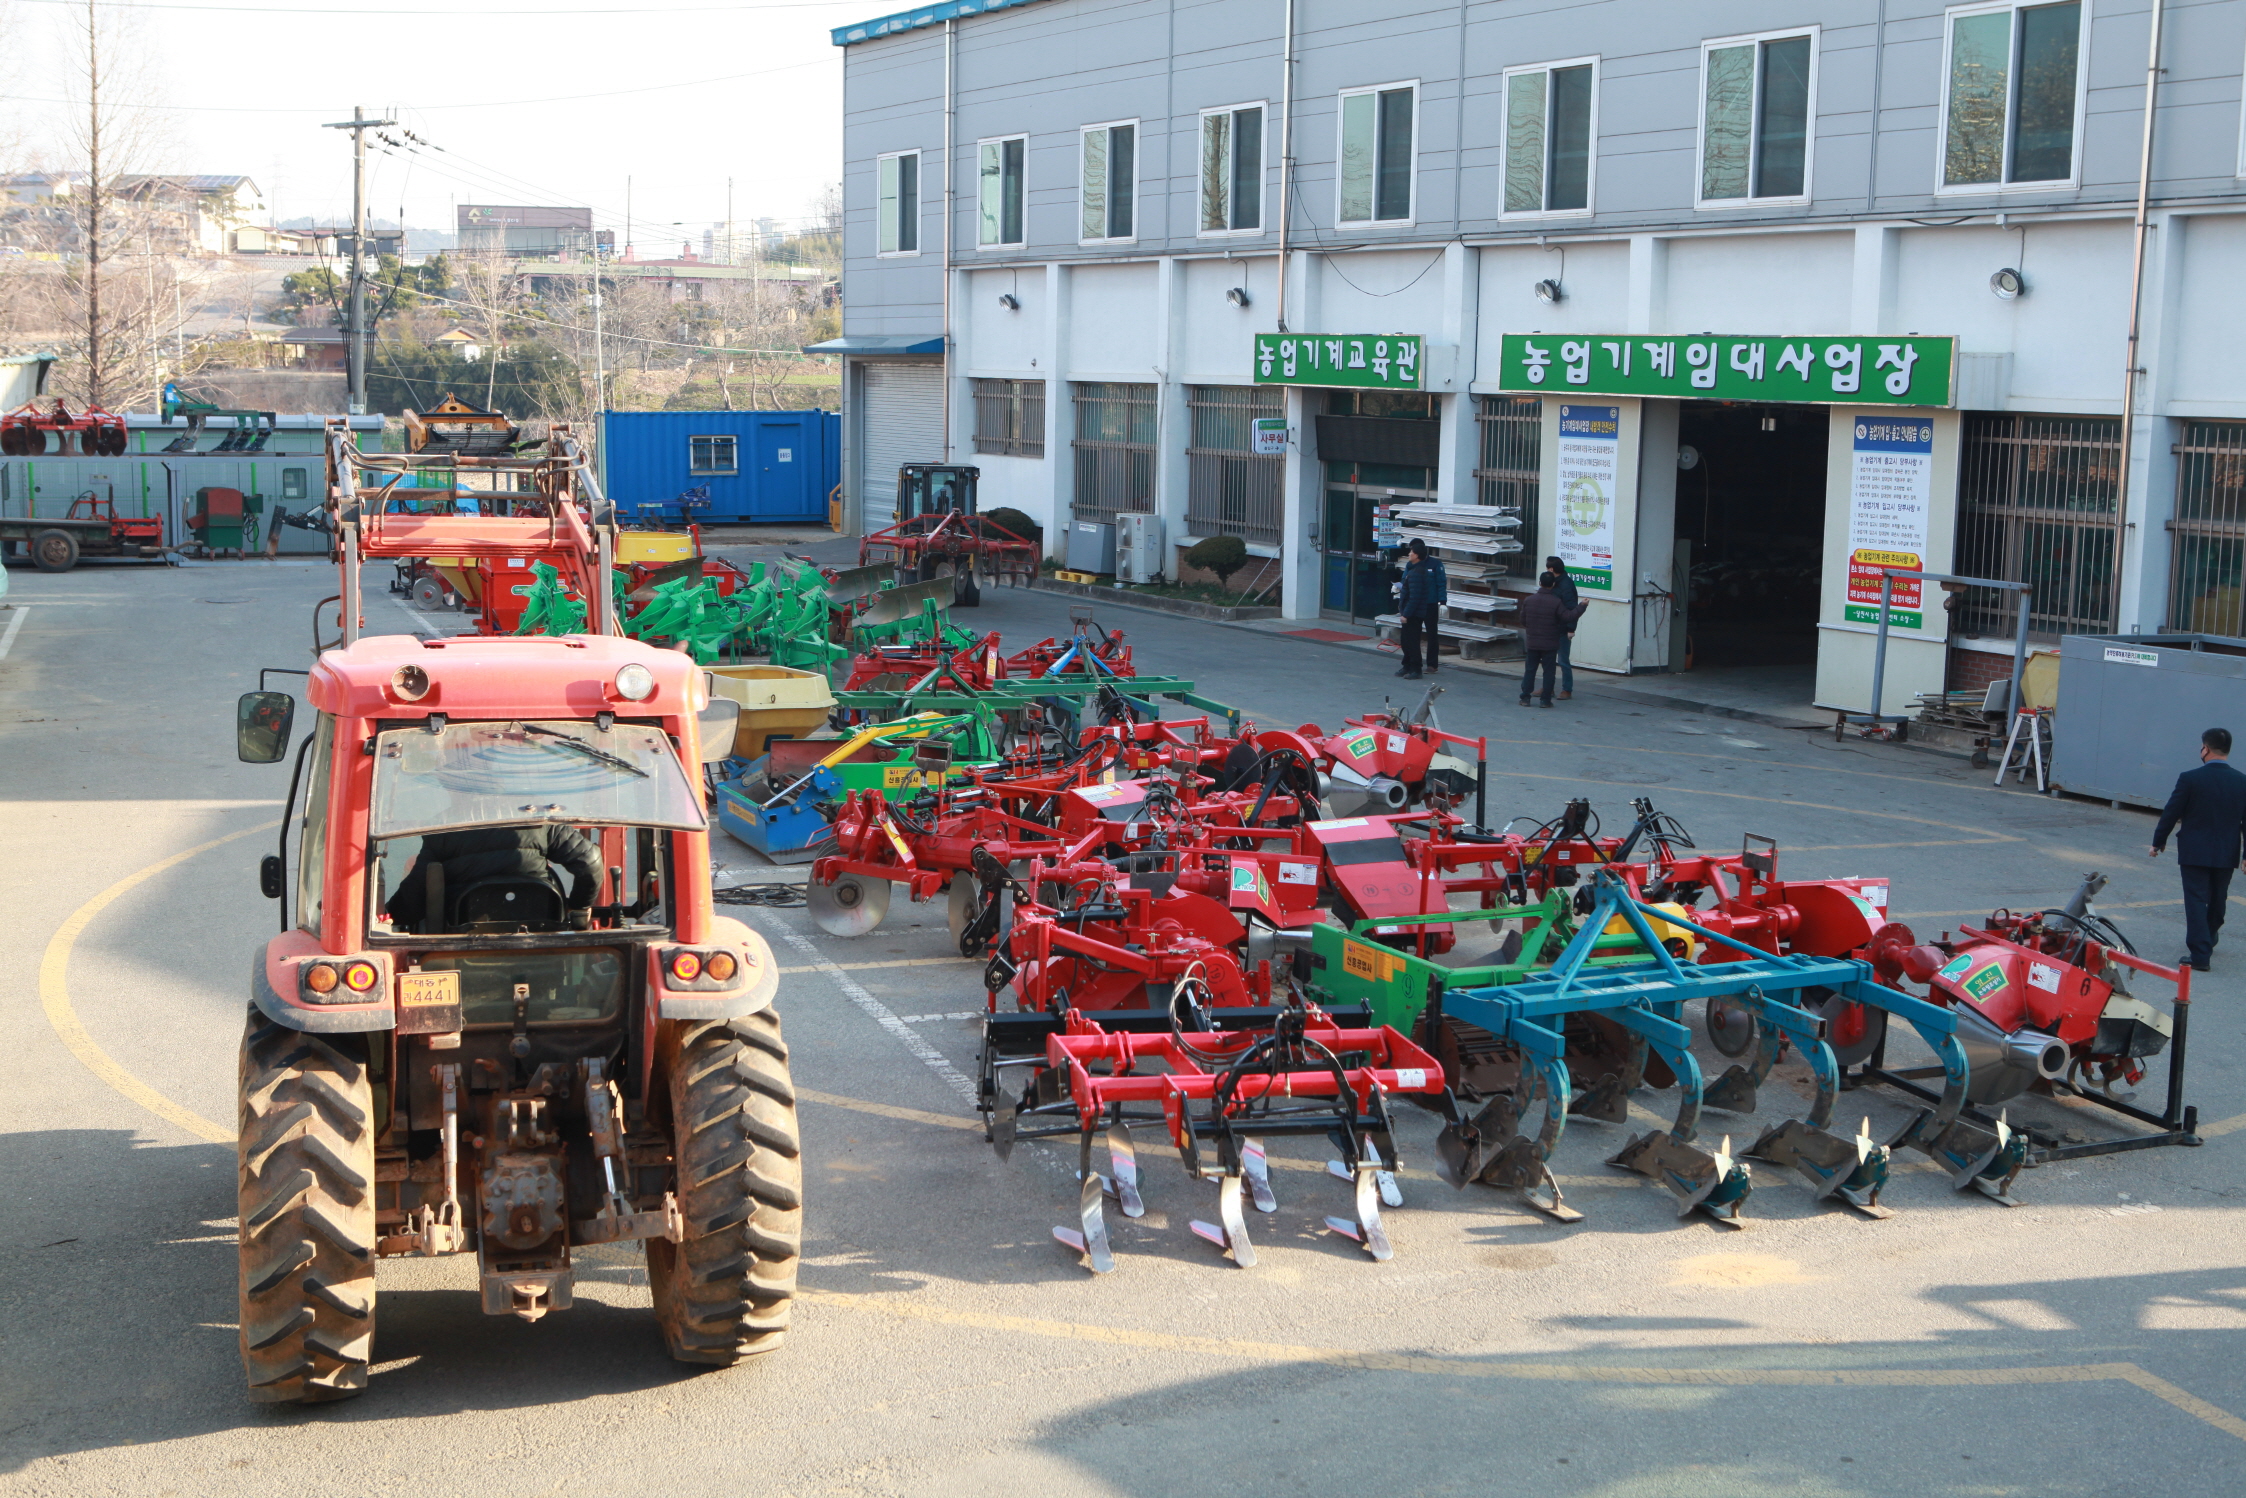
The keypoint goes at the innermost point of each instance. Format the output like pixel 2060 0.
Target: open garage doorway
pixel 1751 528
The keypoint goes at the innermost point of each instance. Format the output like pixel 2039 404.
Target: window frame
pixel 1950 16
pixel 879 227
pixel 1083 132
pixel 1020 441
pixel 1000 141
pixel 1411 193
pixel 1263 171
pixel 732 445
pixel 1756 39
pixel 1591 164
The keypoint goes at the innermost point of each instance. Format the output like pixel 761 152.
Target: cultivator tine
pixel 1851 1171
pixel 1233 1235
pixel 1493 1150
pixel 1981 1158
pixel 1091 1242
pixel 1390 1192
pixel 1123 1169
pixel 1697 1179
pixel 1257 1169
pixel 1367 1231
pixel 1734 1091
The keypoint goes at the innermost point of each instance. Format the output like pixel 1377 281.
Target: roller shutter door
pixel 900 420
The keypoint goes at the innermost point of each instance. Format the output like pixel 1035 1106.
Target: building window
pixel 1755 103
pixel 2207 541
pixel 1010 418
pixel 2036 505
pixel 1512 458
pixel 900 203
pixel 2013 91
pixel 1231 489
pixel 711 455
pixel 1376 154
pixel 1548 135
pixel 1109 180
pixel 1114 446
pixel 294 483
pixel 1232 169
pixel 998 217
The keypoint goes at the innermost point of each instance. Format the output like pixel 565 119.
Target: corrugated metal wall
pixel 165 486
pixel 757 465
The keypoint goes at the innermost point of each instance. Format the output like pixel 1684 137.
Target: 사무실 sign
pixel 1271 436
pixel 1890 495
pixel 1875 371
pixel 1362 361
pixel 1590 459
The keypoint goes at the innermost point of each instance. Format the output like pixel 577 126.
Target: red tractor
pixel 938 533
pixel 450 1052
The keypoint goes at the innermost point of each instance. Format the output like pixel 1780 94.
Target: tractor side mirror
pixel 269 876
pixel 715 725
pixel 262 721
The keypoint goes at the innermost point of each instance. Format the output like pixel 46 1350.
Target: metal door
pixel 1355 575
pixel 900 419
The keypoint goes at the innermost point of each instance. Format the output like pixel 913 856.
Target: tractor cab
pixel 935 489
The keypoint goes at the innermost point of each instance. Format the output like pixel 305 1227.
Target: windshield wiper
pixel 569 741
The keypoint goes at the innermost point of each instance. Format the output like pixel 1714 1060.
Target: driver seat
pixel 508 903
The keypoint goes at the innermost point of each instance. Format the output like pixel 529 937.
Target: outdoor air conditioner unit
pixel 1138 548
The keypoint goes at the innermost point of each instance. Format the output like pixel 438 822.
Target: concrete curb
pixel 1187 607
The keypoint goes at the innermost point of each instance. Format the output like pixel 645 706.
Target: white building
pixel 1733 302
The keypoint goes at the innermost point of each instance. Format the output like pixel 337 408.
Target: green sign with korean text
pixel 1872 371
pixel 1362 361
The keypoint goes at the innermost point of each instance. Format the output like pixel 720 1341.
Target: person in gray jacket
pixel 1545 622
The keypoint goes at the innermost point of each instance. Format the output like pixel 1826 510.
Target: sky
pixel 641 108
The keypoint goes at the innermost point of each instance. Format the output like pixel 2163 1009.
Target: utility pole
pixel 355 336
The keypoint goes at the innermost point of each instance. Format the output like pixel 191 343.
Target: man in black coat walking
pixel 2207 811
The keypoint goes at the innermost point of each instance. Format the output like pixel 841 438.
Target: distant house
pixel 324 349
pixel 38 187
pixel 462 342
pixel 198 214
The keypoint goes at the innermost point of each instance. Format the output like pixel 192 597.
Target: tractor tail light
pixel 320 978
pixel 721 966
pixel 359 977
pixel 686 966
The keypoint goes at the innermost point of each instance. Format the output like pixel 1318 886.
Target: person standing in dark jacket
pixel 475 853
pixel 1545 622
pixel 1425 587
pixel 2207 811
pixel 1568 599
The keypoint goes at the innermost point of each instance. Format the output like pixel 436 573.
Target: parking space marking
pixel 2230 1125
pixel 54 995
pixel 22 612
pixel 882 1015
pixel 867 967
pixel 1395 1362
pixel 889 1110
pixel 1767 800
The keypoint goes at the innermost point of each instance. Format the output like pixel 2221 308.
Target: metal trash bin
pixel 2132 707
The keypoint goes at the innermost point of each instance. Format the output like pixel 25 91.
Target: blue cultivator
pixel 1647 1002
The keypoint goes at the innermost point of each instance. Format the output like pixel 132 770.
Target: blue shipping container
pixel 721 467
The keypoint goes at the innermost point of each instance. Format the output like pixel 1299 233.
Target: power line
pixel 299 13
pixel 707 348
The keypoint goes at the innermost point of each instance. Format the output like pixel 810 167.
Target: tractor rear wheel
pixel 726 1292
pixel 306 1176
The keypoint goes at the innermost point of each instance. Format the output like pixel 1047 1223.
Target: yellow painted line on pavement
pixel 54 994
pixel 887 1110
pixel 2218 1129
pixel 1586 1373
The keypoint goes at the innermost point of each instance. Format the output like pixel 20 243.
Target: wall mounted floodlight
pixel 1688 458
pixel 1549 291
pixel 1009 301
pixel 2008 283
pixel 1237 296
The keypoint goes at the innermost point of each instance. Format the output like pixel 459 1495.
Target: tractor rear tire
pixel 726 1292
pixel 306 1176
pixel 54 551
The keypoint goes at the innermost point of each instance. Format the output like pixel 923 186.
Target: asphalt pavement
pixel 2080 1343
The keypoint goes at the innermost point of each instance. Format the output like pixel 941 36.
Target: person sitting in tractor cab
pixel 475 854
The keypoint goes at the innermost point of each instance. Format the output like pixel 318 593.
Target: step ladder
pixel 2026 748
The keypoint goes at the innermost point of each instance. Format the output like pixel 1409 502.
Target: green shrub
pixel 1017 522
pixel 1223 555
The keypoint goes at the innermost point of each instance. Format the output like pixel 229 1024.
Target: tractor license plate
pixel 428 1003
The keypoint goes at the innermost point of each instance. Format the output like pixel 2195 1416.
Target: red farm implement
pixel 938 533
pixel 29 431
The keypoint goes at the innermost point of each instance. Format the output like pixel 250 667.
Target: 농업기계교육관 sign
pixel 1873 371
pixel 1364 361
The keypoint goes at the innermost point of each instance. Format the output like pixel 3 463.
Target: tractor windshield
pixel 485 774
